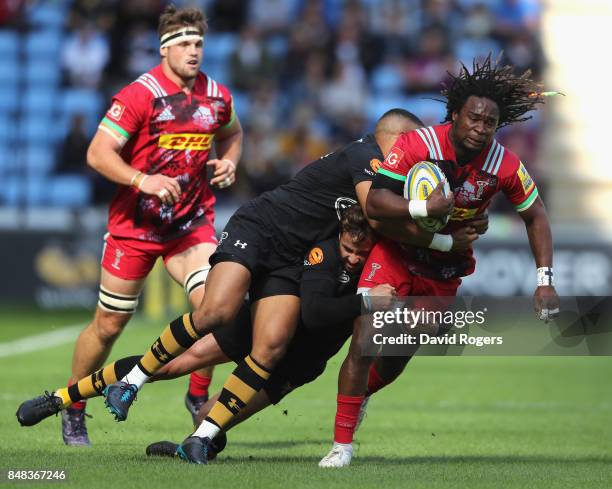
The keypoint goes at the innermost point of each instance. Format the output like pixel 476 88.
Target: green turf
pixel 20 321
pixel 448 422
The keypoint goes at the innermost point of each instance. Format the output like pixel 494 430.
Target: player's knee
pixel 357 361
pixel 270 353
pixel 207 319
pixel 356 352
pixel 108 326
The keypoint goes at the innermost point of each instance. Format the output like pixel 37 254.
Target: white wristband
pixel 142 181
pixel 366 300
pixel 136 175
pixel 441 242
pixel 417 208
pixel 545 276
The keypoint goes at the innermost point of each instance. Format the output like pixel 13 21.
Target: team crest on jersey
pixel 216 106
pixel 203 117
pixel 118 255
pixel 525 178
pixel 375 164
pixel 315 256
pixel 342 204
pixel 394 157
pixel 480 188
pixel 375 268
pixel 116 110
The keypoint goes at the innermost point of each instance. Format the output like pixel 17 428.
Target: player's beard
pixel 184 70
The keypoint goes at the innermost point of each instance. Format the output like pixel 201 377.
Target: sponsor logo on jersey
pixel 166 115
pixel 394 157
pixel 342 204
pixel 375 268
pixel 116 110
pixel 525 178
pixel 449 272
pixel 159 352
pixel 315 256
pixel 240 244
pixel 195 142
pixel 461 214
pixel 375 164
pixel 224 235
pixel 98 381
pixel 344 277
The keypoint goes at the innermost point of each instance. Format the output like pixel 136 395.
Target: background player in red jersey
pixel 477 168
pixel 154 142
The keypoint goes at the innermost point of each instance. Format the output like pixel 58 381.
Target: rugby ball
pixel 421 181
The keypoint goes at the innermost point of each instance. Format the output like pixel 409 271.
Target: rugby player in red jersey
pixel 155 142
pixel 477 167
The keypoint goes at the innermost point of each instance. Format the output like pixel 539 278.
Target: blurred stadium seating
pixel 401 49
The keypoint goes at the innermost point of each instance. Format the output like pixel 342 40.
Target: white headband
pixel 181 35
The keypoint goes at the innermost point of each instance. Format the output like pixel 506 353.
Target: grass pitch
pixel 448 422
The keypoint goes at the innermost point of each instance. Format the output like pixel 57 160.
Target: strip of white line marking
pixel 40 341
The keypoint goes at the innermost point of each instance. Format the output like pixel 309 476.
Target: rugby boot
pixel 339 456
pixel 118 399
pixel 194 450
pixel 33 411
pixel 169 449
pixel 74 430
pixel 162 449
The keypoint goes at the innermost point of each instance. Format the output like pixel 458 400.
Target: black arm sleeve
pixel 320 308
pixel 357 157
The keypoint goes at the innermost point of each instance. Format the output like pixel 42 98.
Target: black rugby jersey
pixel 329 303
pixel 307 208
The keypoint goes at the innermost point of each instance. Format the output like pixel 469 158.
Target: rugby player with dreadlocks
pixel 477 167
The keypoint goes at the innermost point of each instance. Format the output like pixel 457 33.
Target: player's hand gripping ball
pixel 421 181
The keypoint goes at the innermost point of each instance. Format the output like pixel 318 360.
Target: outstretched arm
pixel 540 241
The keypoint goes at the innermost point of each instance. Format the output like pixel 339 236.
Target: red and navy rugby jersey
pixel 495 169
pixel 164 130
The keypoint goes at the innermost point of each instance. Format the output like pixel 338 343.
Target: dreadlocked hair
pixel 515 95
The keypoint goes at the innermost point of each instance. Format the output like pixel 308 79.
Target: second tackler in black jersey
pixel 329 306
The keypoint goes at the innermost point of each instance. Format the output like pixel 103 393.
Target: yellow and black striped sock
pixel 178 336
pixel 241 386
pixel 94 384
